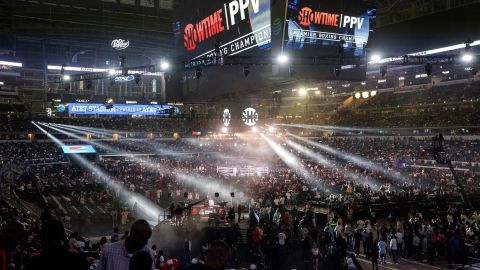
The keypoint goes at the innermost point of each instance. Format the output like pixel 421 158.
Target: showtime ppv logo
pixel 307 16
pixel 217 22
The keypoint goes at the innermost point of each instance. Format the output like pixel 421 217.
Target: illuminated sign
pixel 78 149
pixel 226 117
pixel 250 116
pixel 124 78
pixel 118 109
pixel 120 44
pixel 12 64
pixel 225 27
pixel 307 16
pixel 314 23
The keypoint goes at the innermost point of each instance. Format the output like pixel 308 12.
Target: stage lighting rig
pixel 246 71
pixel 198 72
pixel 428 69
pixel 108 104
pixel 383 70
pixel 338 71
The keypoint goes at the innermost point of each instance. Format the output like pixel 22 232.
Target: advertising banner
pixel 316 25
pixel 221 28
pixel 78 149
pixel 118 109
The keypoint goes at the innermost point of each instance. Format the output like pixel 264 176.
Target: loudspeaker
pixel 232 194
pixel 217 195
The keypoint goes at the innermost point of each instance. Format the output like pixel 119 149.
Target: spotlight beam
pixel 322 160
pixel 293 162
pixel 144 205
pixel 85 130
pixel 357 160
pixel 206 184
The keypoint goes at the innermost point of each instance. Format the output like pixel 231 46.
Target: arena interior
pixel 239 134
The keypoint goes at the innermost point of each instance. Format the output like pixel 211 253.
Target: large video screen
pixel 318 26
pixel 204 29
pixel 118 109
pixel 78 149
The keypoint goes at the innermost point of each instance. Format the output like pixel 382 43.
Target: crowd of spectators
pixel 281 199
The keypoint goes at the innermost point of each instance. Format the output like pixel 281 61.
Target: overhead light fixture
pixel 373 93
pixel 467 58
pixel 66 77
pixel 302 92
pixel 376 58
pixel 317 92
pixel 365 94
pixel 112 71
pixel 164 65
pixel 358 95
pixel 224 129
pixel 282 59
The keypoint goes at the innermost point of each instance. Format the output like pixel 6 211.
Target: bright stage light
pixel 376 58
pixel 282 59
pixel 164 65
pixel 302 92
pixel 358 95
pixel 365 94
pixel 271 129
pixel 373 93
pixel 467 58
pixel 317 92
pixel 112 71
pixel 254 129
pixel 66 77
pixel 224 129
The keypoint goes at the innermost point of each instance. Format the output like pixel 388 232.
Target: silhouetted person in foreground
pixel 117 256
pixel 12 234
pixel 218 258
pixel 54 255
pixel 141 261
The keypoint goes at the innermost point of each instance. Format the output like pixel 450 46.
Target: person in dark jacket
pixel 54 255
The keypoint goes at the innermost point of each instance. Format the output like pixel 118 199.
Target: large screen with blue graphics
pixel 316 27
pixel 78 149
pixel 118 109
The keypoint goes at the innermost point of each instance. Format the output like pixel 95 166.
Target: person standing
pixel 54 255
pixel 116 256
pixel 187 246
pixel 400 241
pixel 374 257
pixel 382 250
pixel 394 249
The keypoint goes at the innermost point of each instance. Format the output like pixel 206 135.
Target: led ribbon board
pixel 118 109
pixel 78 149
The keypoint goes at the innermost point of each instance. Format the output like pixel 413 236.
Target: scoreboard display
pixel 231 27
pixel 316 27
